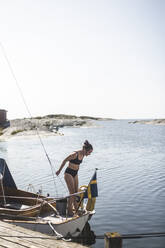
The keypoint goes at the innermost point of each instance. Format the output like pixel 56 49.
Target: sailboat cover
pixel 8 180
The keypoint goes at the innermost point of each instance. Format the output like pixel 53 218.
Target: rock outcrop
pixel 46 125
pixel 153 122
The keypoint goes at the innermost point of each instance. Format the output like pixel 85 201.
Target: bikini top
pixel 76 160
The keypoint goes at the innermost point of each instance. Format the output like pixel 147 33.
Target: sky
pixel 101 58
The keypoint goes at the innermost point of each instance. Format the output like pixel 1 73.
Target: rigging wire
pixel 28 110
pixel 47 178
pixel 44 181
pixel 64 185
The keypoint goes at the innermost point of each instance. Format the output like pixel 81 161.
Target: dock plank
pixel 20 242
pixel 16 231
pixel 25 238
pixel 7 243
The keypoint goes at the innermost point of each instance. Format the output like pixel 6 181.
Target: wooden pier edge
pixel 12 236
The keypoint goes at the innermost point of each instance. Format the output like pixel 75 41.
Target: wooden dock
pixel 12 236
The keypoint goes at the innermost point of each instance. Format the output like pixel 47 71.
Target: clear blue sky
pixel 100 58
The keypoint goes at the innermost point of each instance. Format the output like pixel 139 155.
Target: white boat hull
pixel 56 226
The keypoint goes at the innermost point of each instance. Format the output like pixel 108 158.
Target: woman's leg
pixel 76 183
pixel 75 191
pixel 71 187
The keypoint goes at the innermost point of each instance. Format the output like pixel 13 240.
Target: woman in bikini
pixel 70 175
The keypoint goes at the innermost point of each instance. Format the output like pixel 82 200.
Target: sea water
pixel 131 174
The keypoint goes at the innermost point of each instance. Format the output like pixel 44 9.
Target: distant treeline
pixel 64 116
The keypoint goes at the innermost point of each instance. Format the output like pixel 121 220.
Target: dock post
pixel 112 240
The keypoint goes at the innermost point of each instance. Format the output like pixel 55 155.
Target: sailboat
pixel 41 213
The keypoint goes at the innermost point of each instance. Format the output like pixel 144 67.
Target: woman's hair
pixel 87 146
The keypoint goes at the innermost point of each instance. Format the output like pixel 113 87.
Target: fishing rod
pixel 29 112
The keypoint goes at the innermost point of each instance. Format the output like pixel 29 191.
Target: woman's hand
pixel 57 172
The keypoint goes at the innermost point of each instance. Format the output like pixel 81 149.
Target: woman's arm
pixel 72 156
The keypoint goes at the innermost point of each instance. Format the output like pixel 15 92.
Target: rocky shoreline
pixel 46 125
pixel 52 124
pixel 152 122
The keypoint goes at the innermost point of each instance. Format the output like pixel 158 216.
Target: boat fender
pixel 82 188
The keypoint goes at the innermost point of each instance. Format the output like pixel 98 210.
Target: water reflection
pixel 87 237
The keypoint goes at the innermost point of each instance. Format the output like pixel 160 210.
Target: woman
pixel 71 176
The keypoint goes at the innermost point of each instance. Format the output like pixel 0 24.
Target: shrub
pixel 1 131
pixel 16 131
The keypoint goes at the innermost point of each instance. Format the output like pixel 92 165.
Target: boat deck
pixel 12 236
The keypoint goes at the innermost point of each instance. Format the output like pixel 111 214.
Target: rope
pixel 136 236
pixel 62 183
pixel 13 74
pixel 124 236
pixel 54 209
pixel 58 235
pixel 43 180
pixel 28 110
pixel 143 235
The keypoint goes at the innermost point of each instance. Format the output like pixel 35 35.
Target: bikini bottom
pixel 70 171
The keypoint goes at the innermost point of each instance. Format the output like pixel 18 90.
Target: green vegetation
pixel 38 117
pixel 64 116
pixel 61 116
pixel 17 131
pixel 1 131
pixel 89 117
